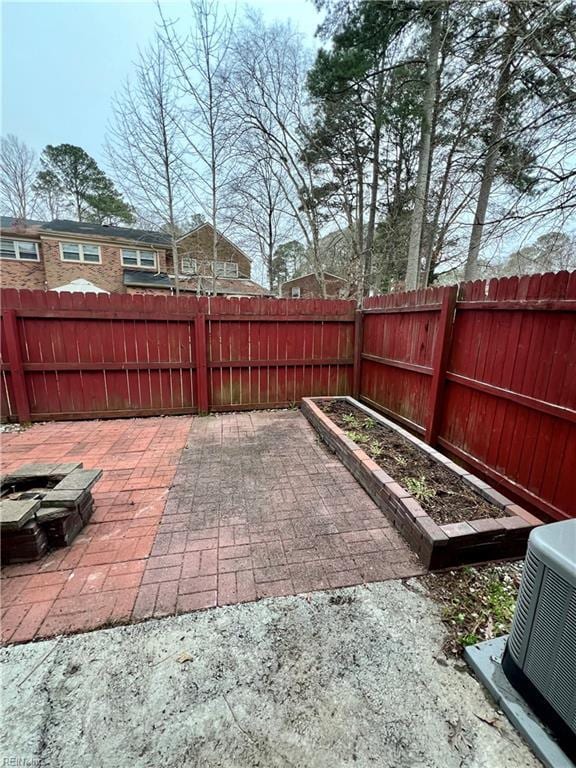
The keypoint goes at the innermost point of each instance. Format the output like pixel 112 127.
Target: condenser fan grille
pixel 551 653
pixel 523 608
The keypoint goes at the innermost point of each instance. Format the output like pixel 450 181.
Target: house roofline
pixel 311 274
pixel 54 234
pixel 207 224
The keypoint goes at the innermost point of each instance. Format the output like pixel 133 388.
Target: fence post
pixel 440 359
pixel 356 380
pixel 201 363
pixel 16 367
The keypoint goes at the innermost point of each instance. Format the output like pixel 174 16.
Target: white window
pixel 82 252
pixel 295 293
pixel 19 249
pixel 189 265
pixel 136 258
pixel 225 268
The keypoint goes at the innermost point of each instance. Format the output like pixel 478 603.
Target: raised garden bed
pixel 447 515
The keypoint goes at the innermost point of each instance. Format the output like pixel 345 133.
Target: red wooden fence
pixel 83 356
pixel 487 371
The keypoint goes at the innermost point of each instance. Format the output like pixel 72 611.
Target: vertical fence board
pixel 96 356
pixel 508 405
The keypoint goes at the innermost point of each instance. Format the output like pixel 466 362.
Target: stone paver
pixel 95 581
pixel 260 508
pixel 252 506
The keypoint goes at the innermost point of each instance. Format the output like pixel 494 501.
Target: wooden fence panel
pixel 87 356
pixel 490 377
pixel 399 335
pixel 269 353
pixel 508 402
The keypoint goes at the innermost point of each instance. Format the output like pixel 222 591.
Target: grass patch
pixel 477 602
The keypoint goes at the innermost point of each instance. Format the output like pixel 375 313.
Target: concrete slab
pixel 485 659
pixel 353 677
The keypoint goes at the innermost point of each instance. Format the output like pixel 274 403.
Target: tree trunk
pixel 493 152
pixel 371 225
pixel 175 264
pixel 413 266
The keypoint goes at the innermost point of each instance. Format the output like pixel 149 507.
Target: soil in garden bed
pixel 441 493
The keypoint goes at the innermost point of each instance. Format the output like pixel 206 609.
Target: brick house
pixel 308 287
pixel 48 255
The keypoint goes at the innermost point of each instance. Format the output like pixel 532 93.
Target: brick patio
pixel 257 507
pixel 95 581
pixel 260 508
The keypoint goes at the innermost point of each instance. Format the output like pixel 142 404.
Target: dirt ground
pixel 351 677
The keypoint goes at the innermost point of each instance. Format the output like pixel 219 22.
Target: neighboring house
pixel 52 255
pixel 308 287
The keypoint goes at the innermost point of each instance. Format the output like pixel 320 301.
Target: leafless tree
pixel 18 167
pixel 146 149
pixel 200 59
pixel 258 209
pixel 267 86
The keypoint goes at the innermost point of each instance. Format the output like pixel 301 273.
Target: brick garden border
pixel 438 546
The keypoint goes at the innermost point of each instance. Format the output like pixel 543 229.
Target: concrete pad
pixel 485 659
pixel 353 677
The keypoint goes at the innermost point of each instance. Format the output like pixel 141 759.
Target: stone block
pixel 80 479
pixel 24 544
pixel 62 530
pixel 14 514
pixel 59 497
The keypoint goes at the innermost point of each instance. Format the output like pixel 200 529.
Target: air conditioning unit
pixel 540 656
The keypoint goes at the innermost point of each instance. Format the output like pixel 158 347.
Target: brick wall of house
pixel 198 245
pixel 135 290
pixel 22 274
pixel 336 287
pixel 107 275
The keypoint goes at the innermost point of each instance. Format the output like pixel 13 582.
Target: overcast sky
pixel 62 62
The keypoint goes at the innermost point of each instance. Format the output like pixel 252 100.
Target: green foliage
pixel 357 437
pixel 70 171
pixel 418 487
pixel 350 420
pixel 479 603
pixel 375 449
pixel 469 639
pixel 287 262
pixel 107 207
pixel 358 422
pixel 355 102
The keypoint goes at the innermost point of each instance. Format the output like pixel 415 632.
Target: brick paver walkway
pixel 259 508
pixel 253 506
pixel 95 581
